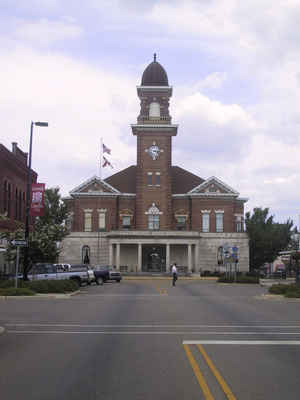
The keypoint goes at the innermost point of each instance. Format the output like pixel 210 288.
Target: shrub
pixel 278 288
pixel 240 279
pixel 289 291
pixel 292 293
pixel 45 286
pixel 7 283
pixel 53 286
pixel 12 291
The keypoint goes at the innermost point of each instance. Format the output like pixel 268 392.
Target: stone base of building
pixel 153 251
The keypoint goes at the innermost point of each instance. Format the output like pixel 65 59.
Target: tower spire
pixel 154 56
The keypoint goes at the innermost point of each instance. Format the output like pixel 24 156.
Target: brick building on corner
pixel 13 183
pixel 151 214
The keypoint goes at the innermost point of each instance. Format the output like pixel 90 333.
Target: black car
pixel 104 273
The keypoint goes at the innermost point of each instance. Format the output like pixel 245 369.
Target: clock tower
pixel 154 132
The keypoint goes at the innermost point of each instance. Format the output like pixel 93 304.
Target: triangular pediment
pixel 214 186
pixel 94 186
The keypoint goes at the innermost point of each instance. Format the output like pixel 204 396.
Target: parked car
pixel 80 273
pixel 104 273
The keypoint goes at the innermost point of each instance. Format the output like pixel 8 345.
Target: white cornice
pixel 208 194
pixel 155 88
pixel 100 194
pixel 225 196
pixel 154 126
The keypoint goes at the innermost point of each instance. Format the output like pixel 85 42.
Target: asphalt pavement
pixel 144 339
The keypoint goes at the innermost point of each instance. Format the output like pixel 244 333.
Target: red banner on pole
pixel 37 199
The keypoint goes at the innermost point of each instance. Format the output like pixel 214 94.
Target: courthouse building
pixel 152 214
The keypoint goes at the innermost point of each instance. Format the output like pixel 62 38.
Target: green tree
pixel 266 237
pixel 47 231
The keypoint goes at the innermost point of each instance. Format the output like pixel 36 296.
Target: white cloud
pixel 212 81
pixel 81 104
pixel 45 31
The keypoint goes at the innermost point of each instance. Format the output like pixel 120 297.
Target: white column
pixel 168 257
pixel 111 254
pixel 189 257
pixel 197 268
pixel 139 267
pixel 118 257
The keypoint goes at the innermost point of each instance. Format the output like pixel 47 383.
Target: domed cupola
pixel 155 75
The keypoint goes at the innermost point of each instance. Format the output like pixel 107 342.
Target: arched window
pixel 153 217
pixel 85 254
pixel 154 110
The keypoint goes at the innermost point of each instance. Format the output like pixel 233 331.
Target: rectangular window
pixel 9 201
pixel 149 177
pixel 239 224
pixel 87 222
pixel 126 222
pixel 101 222
pixel 205 222
pixel 181 222
pixel 153 222
pixel 219 222
pixel 157 179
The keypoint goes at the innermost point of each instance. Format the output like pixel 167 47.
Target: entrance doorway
pixel 154 258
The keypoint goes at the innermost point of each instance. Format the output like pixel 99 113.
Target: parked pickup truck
pixel 81 273
pixel 106 273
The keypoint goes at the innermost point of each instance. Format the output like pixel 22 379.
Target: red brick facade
pixel 13 183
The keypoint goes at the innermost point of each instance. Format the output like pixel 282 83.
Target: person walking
pixel 174 274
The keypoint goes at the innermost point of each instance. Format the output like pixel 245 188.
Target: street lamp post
pixel 28 192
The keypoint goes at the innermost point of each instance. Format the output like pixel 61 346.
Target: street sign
pixel 17 242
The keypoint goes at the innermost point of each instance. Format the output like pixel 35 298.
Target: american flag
pixel 106 162
pixel 105 149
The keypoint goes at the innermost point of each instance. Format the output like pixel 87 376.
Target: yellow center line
pixel 198 373
pixel 216 373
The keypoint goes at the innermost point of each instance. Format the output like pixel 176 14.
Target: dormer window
pixel 154 110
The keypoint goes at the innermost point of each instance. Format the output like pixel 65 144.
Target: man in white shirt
pixel 174 274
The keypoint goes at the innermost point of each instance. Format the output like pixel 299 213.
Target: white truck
pixel 81 273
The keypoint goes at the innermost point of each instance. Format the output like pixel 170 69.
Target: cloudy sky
pixel 234 67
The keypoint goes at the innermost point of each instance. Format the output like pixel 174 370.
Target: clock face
pixel 154 151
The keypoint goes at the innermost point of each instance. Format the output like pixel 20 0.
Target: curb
pixel 43 296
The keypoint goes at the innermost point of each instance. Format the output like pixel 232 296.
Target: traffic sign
pixel 17 242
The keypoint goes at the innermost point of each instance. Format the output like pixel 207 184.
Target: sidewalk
pixel 269 282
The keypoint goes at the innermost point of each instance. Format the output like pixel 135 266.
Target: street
pixel 144 339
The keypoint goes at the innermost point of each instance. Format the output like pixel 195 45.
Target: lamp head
pixel 41 123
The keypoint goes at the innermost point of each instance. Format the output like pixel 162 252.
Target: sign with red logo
pixel 37 199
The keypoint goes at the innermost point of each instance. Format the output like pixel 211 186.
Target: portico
pixel 146 251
